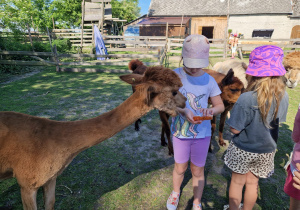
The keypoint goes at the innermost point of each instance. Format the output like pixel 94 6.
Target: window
pixel 265 33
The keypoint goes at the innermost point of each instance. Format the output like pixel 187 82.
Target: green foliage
pixel 125 9
pixel 19 15
pixel 66 13
pixel 62 45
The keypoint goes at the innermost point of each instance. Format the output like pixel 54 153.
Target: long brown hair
pixel 269 90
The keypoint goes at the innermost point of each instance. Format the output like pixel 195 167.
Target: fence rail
pixel 154 48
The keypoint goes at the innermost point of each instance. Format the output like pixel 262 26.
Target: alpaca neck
pixel 87 133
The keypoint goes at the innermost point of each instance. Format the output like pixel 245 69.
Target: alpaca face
pixel 159 87
pixel 232 92
pixel 292 77
pixel 168 99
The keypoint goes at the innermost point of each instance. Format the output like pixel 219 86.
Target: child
pixel 290 188
pixel 191 138
pixel 234 43
pixel 254 120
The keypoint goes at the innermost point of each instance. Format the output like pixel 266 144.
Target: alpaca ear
pixel 133 79
pixel 228 78
pixel 244 65
pixel 151 93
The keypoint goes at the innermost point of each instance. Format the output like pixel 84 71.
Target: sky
pixel 144 5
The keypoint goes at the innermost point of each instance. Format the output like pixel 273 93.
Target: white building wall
pixel 245 24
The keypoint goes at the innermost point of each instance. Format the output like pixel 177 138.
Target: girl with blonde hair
pixel 255 120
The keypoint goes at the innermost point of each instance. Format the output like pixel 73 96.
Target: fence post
pixel 56 58
pixel 50 40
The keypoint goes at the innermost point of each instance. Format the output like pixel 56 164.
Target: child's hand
pixel 207 112
pixel 296 178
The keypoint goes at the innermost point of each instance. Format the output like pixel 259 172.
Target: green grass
pixel 95 180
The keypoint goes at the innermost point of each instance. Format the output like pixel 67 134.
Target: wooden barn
pixel 164 26
pixel 262 19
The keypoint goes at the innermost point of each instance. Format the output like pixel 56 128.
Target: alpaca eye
pixel 174 93
pixel 234 90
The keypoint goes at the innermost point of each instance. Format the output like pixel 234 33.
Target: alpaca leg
pixel 164 117
pixel 221 127
pixel 28 198
pixel 49 194
pixel 136 125
pixel 162 135
pixel 213 128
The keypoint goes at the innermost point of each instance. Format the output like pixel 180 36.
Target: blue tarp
pixel 99 43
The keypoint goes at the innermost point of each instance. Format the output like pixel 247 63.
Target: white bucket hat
pixel 195 51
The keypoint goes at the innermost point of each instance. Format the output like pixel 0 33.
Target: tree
pixel 66 13
pixel 18 15
pixel 125 9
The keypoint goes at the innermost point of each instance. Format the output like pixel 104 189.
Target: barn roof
pixel 164 20
pixel 218 7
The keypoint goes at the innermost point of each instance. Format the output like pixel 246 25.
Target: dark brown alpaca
pixel 36 150
pixel 231 88
pixel 138 67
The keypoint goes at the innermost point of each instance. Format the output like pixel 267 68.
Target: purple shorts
pixel 194 149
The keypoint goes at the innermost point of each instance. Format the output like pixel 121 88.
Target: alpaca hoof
pixel 163 143
pixel 222 143
pixel 137 128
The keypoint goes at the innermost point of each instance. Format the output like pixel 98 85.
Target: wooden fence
pixel 153 50
pixel 220 47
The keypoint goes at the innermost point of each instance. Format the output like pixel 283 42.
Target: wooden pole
pixel 50 40
pixel 30 39
pixel 53 22
pixel 167 30
pixel 180 26
pixel 102 18
pixel 82 22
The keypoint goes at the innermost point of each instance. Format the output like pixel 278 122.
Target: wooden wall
pixel 219 25
pixel 160 30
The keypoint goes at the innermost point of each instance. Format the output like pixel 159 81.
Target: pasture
pixel 129 170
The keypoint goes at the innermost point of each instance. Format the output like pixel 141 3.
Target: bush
pixel 62 45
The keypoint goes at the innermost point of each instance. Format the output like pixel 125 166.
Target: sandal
pixel 226 207
pixel 197 206
pixel 172 201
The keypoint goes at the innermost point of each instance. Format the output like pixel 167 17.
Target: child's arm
pixel 234 131
pixel 296 178
pixel 217 106
pixel 296 130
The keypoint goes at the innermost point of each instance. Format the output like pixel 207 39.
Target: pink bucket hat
pixel 195 51
pixel 266 61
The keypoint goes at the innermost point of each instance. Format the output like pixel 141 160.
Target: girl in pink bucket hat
pixel 191 137
pixel 254 121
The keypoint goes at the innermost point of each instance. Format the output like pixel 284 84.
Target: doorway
pixel 208 31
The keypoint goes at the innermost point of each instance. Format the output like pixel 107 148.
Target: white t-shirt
pixel 197 90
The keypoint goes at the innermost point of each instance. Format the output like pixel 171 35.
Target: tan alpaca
pixel 36 150
pixel 291 63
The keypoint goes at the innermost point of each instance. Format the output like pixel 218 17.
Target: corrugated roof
pixel 218 7
pixel 164 20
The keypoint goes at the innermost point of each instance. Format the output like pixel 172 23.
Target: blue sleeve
pixel 239 117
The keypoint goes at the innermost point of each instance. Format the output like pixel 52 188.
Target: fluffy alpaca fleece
pixel 238 67
pixel 291 63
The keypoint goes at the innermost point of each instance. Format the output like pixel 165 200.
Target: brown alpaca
pixel 138 67
pixel 36 150
pixel 231 88
pixel 291 63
